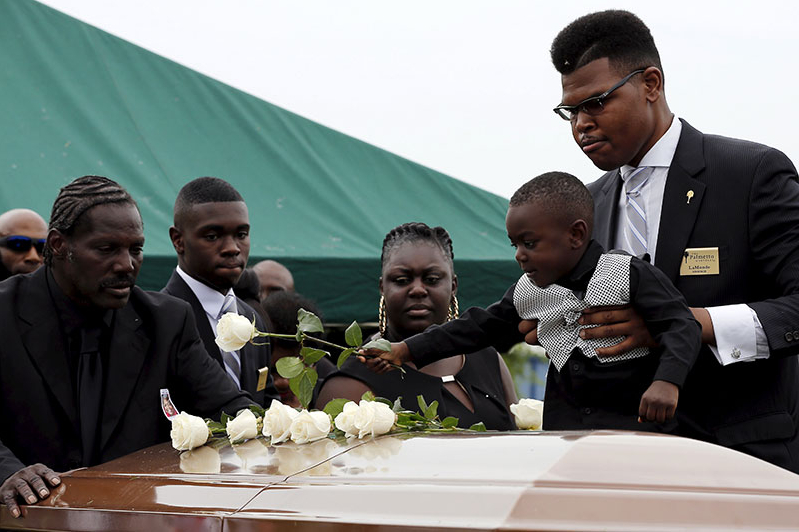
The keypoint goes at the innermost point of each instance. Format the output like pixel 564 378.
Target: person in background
pixel 282 308
pixel 85 352
pixel 273 277
pixel 22 236
pixel 418 289
pixel 211 236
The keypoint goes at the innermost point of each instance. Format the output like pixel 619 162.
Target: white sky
pixel 466 86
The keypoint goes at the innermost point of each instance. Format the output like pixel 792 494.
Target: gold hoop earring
pixel 381 316
pixel 453 312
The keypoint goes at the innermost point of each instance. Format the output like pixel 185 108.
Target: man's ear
pixel 57 243
pixel 454 284
pixel 380 285
pixel 578 234
pixel 653 83
pixel 177 239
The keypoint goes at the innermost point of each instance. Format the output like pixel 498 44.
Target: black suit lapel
pixel 249 357
pixel 41 335
pixel 177 287
pixel 678 215
pixel 605 209
pixel 127 352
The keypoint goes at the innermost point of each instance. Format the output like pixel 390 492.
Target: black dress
pixel 480 377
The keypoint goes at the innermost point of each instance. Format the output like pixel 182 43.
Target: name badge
pixel 263 373
pixel 700 261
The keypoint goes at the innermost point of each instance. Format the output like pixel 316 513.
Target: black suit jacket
pixel 745 202
pixel 154 344
pixel 253 357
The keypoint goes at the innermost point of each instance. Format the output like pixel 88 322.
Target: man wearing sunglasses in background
pixel 22 235
pixel 719 216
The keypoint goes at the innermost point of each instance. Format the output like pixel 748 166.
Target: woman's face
pixel 417 284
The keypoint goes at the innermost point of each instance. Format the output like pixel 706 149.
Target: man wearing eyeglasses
pixel 719 216
pixel 22 234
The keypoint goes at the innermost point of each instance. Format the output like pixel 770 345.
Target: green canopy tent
pixel 80 101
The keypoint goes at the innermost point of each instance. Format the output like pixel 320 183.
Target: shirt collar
pixel 662 153
pixel 210 299
pixel 578 278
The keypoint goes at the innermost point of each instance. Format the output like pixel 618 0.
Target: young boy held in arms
pixel 549 222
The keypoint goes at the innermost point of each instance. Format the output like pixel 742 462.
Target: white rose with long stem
pixel 277 421
pixel 188 432
pixel 243 427
pixel 234 331
pixel 310 426
pixel 374 418
pixel 345 420
pixel 528 413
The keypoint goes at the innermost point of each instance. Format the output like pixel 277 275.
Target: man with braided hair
pixel 85 352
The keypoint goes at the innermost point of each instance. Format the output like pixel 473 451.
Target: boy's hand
pixel 529 328
pixel 616 321
pixel 658 402
pixel 381 361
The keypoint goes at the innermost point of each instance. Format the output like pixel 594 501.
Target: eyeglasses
pixel 22 244
pixel 595 104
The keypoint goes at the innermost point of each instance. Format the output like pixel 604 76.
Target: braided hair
pixel 417 232
pixel 78 197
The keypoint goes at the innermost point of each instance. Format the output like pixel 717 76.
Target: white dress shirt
pixel 739 334
pixel 212 302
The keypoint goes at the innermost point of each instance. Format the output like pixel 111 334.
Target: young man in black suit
pixel 719 216
pixel 85 352
pixel 211 235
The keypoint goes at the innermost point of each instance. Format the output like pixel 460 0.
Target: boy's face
pixel 544 247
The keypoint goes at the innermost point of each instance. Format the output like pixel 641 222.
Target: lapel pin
pixel 689 195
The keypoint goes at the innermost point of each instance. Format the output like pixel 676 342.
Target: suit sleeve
pixel 774 241
pixel 476 329
pixel 668 319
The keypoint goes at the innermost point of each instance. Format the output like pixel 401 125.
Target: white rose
pixel 233 332
pixel 373 418
pixel 345 420
pixel 188 432
pixel 277 421
pixel 243 427
pixel 203 460
pixel 310 426
pixel 529 413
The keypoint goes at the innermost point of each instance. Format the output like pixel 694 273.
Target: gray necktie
pixel 231 360
pixel 635 213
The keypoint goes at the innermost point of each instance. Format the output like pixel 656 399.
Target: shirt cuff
pixel 739 334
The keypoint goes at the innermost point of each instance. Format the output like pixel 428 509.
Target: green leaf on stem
pixel 289 367
pixel 353 335
pixel 307 322
pixel 303 385
pixel 215 427
pixel 344 356
pixel 383 400
pixel 368 396
pixel 335 407
pixel 449 422
pixel 311 356
pixel 380 343
pixel 422 404
pixel 224 418
pixel 432 411
pixel 479 427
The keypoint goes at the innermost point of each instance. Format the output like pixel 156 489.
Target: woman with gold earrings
pixel 418 289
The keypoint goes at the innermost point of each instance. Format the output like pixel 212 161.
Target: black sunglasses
pixel 22 244
pixel 595 104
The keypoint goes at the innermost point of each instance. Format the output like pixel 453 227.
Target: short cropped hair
pixel 562 194
pixel 618 35
pixel 79 196
pixel 204 190
pixel 282 308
